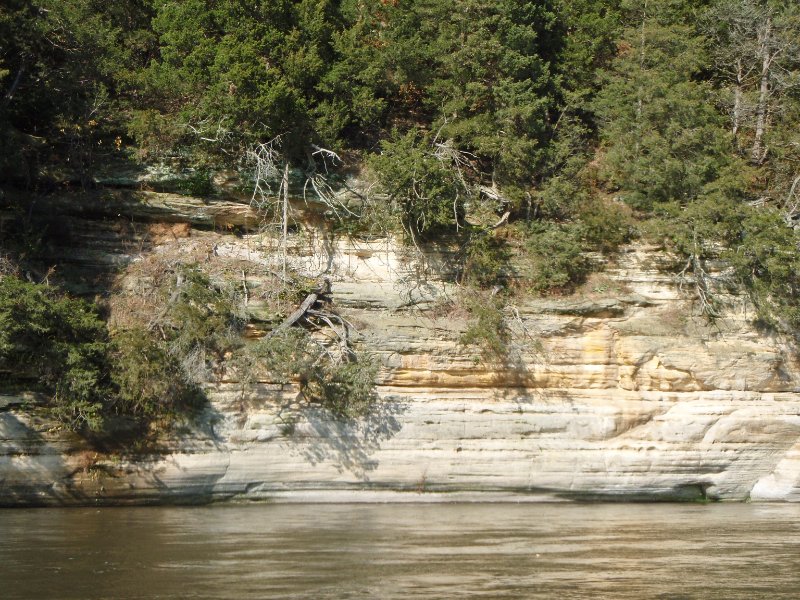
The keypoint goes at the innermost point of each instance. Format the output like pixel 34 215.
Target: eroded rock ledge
pixel 618 393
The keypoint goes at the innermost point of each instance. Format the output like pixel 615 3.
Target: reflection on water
pixel 663 551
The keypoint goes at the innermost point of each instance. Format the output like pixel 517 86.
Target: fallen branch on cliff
pixel 316 356
pixel 322 293
pixel 293 318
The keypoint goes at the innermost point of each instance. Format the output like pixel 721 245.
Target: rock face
pixel 615 393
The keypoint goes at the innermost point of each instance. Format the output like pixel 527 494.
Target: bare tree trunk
pixel 763 95
pixel 737 101
pixel 285 219
pixel 10 93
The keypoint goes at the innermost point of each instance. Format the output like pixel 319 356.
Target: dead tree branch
pixel 296 315
pixel 709 306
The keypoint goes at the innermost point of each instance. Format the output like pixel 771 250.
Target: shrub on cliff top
pixel 60 345
pixel 556 257
pixel 487 330
pixel 150 383
pixel 339 382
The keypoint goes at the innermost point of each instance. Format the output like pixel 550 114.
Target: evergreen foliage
pixel 665 138
pixel 59 345
pixel 557 257
pixel 487 330
pixel 150 381
pixel 427 193
pixel 66 69
pixel 344 387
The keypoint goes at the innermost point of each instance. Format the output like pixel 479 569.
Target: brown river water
pixel 387 551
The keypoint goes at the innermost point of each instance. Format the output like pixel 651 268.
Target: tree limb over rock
pixel 320 293
pixel 503 220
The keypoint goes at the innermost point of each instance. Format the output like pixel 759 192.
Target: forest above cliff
pixel 542 130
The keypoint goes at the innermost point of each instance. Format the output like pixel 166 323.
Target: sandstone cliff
pixel 618 392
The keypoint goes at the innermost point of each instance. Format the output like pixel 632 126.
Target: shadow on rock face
pixel 33 472
pixel 349 443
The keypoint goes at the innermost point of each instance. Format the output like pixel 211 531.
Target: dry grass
pixel 449 308
pixel 161 233
pixel 600 285
pixel 141 290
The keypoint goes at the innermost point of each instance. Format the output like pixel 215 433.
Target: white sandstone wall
pixel 615 393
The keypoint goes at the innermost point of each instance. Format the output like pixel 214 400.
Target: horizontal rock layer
pixel 616 393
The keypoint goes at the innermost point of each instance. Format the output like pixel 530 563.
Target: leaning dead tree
pixel 316 312
pixel 320 294
pixel 331 345
pixel 458 161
